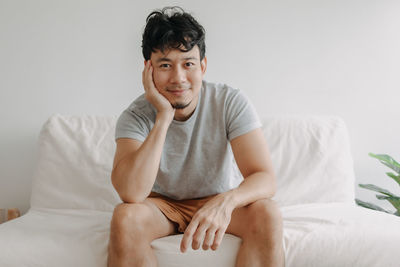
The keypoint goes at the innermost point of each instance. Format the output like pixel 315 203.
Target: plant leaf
pixel 392 175
pixel 395 201
pixel 387 160
pixel 369 205
pixel 377 189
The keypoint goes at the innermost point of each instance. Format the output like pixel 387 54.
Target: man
pixel 173 166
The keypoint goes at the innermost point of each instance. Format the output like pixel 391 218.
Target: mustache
pixel 178 87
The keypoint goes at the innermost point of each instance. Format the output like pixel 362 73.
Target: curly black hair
pixel 172 28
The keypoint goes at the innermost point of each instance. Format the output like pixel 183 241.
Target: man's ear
pixel 204 65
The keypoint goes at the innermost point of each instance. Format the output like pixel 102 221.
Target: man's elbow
pixel 131 196
pixel 272 187
pixel 125 194
pixel 131 199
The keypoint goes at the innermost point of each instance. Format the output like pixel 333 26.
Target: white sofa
pixel 73 199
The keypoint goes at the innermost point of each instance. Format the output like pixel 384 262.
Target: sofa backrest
pixel 75 156
pixel 311 157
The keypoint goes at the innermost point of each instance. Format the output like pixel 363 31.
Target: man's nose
pixel 178 75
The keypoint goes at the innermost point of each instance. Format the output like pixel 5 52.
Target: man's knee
pixel 130 219
pixel 264 218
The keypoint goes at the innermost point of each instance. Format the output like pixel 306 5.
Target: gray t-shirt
pixel 197 159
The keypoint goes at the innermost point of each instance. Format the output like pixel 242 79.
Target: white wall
pixel 303 57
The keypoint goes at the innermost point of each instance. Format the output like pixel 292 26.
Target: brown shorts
pixel 178 211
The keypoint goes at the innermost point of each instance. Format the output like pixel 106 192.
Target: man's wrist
pixel 164 118
pixel 231 197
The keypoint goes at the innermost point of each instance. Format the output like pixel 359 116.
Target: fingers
pixel 210 235
pixel 147 76
pixel 144 72
pixel 149 73
pixel 188 235
pixel 198 236
pixel 195 233
pixel 218 239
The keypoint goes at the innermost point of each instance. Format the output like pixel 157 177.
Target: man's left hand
pixel 209 223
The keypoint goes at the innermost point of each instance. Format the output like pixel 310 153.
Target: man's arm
pixel 252 157
pixel 251 154
pixel 136 164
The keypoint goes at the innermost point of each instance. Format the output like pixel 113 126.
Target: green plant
pixel 385 194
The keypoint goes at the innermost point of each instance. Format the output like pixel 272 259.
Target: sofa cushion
pixel 340 234
pixel 315 235
pixel 75 156
pixel 311 156
pixel 312 159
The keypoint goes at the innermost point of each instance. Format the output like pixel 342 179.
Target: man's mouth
pixel 177 92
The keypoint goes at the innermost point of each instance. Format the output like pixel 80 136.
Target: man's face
pixel 178 76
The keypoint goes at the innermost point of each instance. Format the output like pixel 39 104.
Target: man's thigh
pixel 265 211
pixel 161 224
pixel 144 217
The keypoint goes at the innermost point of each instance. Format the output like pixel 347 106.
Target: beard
pixel 180 105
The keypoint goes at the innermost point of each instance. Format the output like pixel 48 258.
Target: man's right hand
pixel 161 103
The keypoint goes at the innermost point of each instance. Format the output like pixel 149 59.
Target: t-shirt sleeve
pixel 131 125
pixel 241 116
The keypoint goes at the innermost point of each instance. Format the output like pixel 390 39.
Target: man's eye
pixel 189 64
pixel 164 65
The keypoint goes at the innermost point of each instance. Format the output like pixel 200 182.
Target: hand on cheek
pixel 152 94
